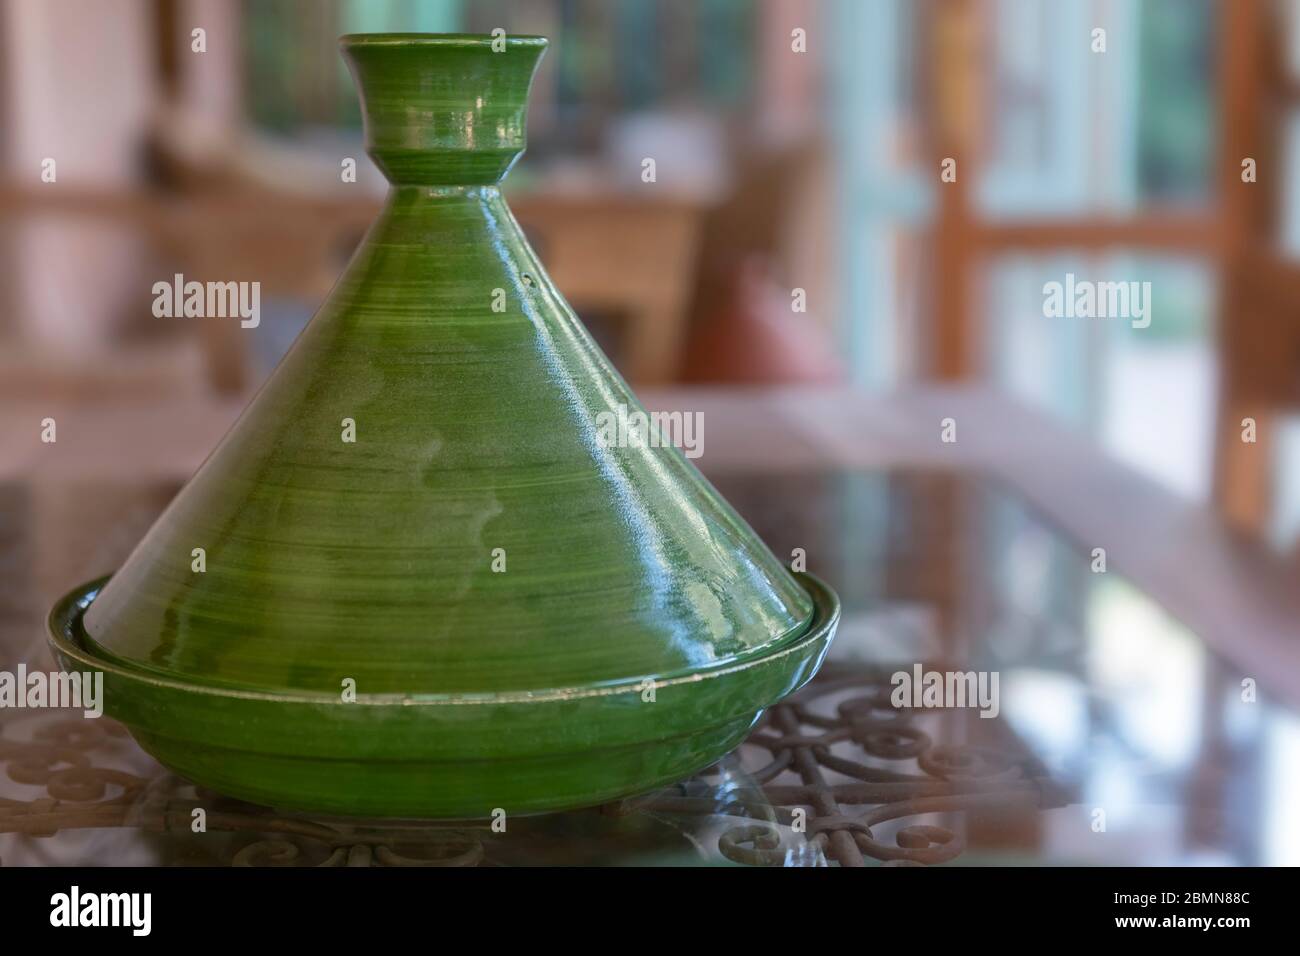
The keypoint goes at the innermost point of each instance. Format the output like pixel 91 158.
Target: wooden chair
pixel 1259 315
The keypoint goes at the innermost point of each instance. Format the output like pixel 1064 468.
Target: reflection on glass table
pixel 1115 736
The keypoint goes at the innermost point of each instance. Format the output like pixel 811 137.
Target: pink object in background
pixel 756 337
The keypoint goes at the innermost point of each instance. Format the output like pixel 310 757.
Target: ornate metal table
pixel 933 569
pixel 731 812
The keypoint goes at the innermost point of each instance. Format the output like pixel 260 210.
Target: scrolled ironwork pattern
pixel 842 777
pixel 843 726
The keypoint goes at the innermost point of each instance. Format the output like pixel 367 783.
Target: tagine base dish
pixel 445 756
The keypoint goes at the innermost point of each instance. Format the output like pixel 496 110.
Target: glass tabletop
pixel 1072 720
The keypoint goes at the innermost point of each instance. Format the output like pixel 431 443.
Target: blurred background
pixel 800 146
pixel 777 170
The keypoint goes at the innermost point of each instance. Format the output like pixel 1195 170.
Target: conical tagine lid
pixel 424 497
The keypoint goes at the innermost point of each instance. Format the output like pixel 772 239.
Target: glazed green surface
pixel 445 757
pixel 443 109
pixel 475 430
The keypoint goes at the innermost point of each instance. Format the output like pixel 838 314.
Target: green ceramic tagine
pixel 426 586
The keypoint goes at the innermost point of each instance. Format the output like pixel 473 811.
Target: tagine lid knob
pixel 444 109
